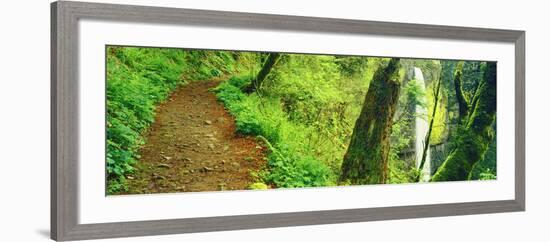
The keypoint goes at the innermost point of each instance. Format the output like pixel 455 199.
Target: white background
pixel 24 121
pixel 96 208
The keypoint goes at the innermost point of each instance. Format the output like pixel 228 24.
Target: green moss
pixel 438 134
pixel 473 139
pixel 366 160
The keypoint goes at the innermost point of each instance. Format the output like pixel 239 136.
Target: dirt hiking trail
pixel 192 146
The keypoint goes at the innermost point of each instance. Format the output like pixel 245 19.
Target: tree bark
pixel 462 103
pixel 427 140
pixel 475 138
pixel 266 68
pixel 366 160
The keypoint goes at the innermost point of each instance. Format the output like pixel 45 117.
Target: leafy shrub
pixel 488 175
pixel 290 164
pixel 289 169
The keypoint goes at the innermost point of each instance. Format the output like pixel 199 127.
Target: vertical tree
pixel 461 99
pixel 476 135
pixel 430 127
pixel 366 160
pixel 266 68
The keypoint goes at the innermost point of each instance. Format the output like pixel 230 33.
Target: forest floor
pixel 192 146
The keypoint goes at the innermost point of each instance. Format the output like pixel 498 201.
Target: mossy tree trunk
pixel 366 160
pixel 266 68
pixel 461 99
pixel 476 135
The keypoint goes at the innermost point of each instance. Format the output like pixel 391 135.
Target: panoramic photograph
pixel 193 120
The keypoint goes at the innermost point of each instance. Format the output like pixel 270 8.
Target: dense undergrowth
pixel 306 111
pixel 291 163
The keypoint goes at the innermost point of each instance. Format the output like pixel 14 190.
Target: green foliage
pixel 413 95
pixel 138 79
pixel 476 136
pixel 399 170
pixel 439 127
pixel 352 66
pixel 314 93
pixel 291 162
pixel 303 83
pixel 251 119
pixel 294 170
pixel 258 186
pixel 488 174
pixel 486 169
pixel 431 69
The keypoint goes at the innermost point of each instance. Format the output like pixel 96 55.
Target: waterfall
pixel 421 129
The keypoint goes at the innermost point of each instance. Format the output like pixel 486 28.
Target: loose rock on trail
pixel 192 146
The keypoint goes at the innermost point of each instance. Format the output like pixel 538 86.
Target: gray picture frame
pixel 65 112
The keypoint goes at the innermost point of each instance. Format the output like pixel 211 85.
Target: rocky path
pixel 192 146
